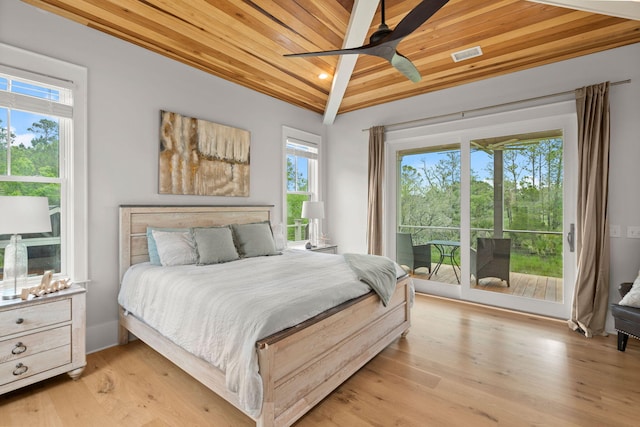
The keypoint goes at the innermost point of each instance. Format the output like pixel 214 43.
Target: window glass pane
pixel 43 248
pixel 3 83
pixel 35 146
pixel 302 181
pixel 297 227
pixel 516 205
pixel 297 173
pixel 35 90
pixel 428 239
pixel 3 141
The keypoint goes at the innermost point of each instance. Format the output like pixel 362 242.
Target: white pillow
pixel 175 248
pixel 632 298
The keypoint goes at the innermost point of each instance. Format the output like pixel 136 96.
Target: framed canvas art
pixel 203 158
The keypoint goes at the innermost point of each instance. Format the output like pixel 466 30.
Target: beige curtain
pixel 591 293
pixel 376 175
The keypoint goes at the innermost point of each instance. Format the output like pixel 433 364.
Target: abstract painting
pixel 202 158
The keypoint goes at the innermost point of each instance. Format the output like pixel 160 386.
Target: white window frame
pixel 301 137
pixel 73 151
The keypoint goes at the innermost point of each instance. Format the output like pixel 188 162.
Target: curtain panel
pixel 376 181
pixel 591 292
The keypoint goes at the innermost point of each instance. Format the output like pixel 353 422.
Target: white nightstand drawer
pixel 35 316
pixel 27 366
pixel 26 345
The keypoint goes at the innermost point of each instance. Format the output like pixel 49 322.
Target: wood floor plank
pixel 460 365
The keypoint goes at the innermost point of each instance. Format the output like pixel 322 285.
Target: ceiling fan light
pixel 466 54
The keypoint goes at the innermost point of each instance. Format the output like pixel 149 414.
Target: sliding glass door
pixel 484 212
pixel 516 214
pixel 429 213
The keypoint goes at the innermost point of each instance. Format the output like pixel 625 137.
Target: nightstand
pixel 42 337
pixel 327 249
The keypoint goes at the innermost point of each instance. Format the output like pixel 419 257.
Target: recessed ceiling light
pixel 323 76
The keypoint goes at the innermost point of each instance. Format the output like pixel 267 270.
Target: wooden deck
pixel 525 285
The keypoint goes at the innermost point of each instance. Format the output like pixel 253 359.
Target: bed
pixel 299 365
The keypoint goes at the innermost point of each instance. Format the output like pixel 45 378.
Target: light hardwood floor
pixel 460 365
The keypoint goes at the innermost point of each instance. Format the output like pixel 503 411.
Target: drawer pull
pixel 19 348
pixel 19 321
pixel 20 369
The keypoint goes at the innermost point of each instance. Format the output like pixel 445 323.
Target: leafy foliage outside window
pixel 532 200
pixel 301 180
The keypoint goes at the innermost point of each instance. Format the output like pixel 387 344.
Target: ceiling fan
pixel 383 41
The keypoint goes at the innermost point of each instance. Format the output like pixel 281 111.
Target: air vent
pixel 466 54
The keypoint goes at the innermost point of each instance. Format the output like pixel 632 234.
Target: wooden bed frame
pixel 299 366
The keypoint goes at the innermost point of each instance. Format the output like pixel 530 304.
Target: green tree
pixel 39 158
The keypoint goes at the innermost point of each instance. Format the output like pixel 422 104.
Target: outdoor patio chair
pixel 491 259
pixel 412 257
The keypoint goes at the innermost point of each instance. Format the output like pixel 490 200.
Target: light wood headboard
pixel 134 221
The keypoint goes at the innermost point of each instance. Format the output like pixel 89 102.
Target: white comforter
pixel 218 312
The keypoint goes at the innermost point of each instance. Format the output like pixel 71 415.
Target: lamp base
pixel 15 269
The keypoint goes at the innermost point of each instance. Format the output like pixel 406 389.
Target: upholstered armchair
pixel 626 318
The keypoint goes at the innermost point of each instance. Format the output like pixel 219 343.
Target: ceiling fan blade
pixel 406 67
pixel 414 19
pixel 383 42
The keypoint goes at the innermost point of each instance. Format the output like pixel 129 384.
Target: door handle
pixel 571 237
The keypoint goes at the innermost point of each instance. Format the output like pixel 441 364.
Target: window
pixel 302 181
pixel 42 146
pixel 34 118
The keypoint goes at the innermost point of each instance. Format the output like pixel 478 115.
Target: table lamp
pixel 20 214
pixel 313 211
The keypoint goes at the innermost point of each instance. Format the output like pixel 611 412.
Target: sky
pixel 20 120
pixel 479 162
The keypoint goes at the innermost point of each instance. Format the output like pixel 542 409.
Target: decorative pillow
pixel 255 239
pixel 215 245
pixel 175 248
pixel 154 258
pixel 632 298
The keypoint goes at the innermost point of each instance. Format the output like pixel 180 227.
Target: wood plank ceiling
pixel 244 41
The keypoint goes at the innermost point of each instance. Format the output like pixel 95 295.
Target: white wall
pixel 128 86
pixel 347 143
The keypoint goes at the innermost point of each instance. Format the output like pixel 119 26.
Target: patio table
pixel 447 249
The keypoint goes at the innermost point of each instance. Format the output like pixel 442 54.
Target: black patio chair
pixel 412 257
pixel 491 259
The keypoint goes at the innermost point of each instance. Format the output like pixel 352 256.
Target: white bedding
pixel 243 301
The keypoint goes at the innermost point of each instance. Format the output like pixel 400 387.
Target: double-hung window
pixel 34 119
pixel 38 143
pixel 302 183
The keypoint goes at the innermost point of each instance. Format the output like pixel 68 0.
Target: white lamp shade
pixel 24 214
pixel 313 210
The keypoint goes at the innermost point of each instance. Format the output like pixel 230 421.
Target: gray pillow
pixel 175 248
pixel 215 245
pixel 255 239
pixel 154 258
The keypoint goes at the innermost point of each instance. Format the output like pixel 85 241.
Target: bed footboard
pixel 303 367
pixel 304 364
